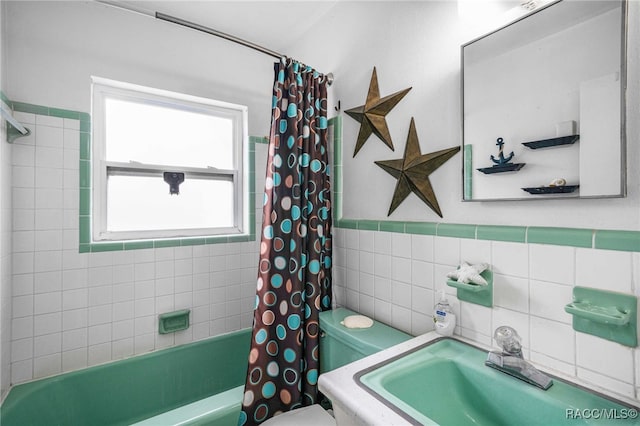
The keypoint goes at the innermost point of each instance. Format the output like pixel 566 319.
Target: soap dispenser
pixel 443 316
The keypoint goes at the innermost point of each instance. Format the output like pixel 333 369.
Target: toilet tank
pixel 340 345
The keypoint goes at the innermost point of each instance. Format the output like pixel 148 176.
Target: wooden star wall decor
pixel 413 171
pixel 371 115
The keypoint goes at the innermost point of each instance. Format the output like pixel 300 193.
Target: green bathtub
pixel 198 383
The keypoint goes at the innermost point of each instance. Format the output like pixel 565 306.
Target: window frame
pixel 103 89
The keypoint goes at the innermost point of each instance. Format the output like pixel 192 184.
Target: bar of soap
pixel 357 321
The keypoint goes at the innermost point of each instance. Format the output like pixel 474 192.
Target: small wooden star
pixel 371 115
pixel 413 171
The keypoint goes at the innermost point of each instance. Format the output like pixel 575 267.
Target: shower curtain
pixel 294 276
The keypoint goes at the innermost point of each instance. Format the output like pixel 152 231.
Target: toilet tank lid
pixel 367 340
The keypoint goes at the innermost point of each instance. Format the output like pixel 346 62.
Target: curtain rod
pixel 202 28
pixel 211 31
pixel 174 20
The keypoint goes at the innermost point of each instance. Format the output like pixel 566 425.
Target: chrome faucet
pixel 511 361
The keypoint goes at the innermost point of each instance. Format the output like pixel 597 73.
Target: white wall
pixel 56 46
pixel 418 44
pixel 5 232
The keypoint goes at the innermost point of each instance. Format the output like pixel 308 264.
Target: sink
pixel 446 382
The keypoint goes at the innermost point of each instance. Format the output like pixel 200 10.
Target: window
pixel 143 140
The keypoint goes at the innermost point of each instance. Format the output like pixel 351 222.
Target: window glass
pixel 156 134
pixel 143 203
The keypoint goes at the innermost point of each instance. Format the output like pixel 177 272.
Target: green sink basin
pixel 446 382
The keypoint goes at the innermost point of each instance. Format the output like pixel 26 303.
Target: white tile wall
pixel 532 283
pixel 6 302
pixel 73 310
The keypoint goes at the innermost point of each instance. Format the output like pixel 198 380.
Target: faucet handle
pixel 509 340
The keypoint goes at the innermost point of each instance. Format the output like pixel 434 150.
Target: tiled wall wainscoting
pixel 73 309
pixel 5 261
pixel 396 278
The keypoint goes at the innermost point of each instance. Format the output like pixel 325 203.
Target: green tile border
pixel 84 218
pixel 617 240
pixel 457 230
pixel 368 225
pixel 516 234
pixel 392 226
pixel 421 228
pixel 560 236
pixel 621 240
pixel 467 180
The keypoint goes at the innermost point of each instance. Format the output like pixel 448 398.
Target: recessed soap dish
pixel 173 321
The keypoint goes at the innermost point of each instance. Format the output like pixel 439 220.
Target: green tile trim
pixel 560 236
pixel 348 223
pixel 368 225
pixel 467 174
pixel 421 228
pixel 238 239
pixel 99 247
pixel 337 183
pixel 193 241
pixel 392 226
pixel 458 230
pixel 85 202
pixel 85 174
pixel 85 146
pixel 166 243
pixel 84 248
pixel 85 229
pixel 64 113
pixel 617 240
pixel 137 245
pixel 29 108
pixel 216 240
pixel 516 234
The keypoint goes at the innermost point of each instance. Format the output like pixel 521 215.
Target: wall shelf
pixel 547 143
pixel 14 128
pixel 502 168
pixel 540 190
pixel 476 293
pixel 612 316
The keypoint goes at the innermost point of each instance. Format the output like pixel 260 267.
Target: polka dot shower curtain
pixel 294 277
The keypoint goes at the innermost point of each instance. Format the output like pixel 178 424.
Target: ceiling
pixel 274 25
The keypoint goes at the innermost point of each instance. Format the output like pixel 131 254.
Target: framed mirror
pixel 543 105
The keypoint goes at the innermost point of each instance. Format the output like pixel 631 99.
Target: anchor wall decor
pixel 502 164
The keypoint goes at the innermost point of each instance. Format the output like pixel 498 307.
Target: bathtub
pixel 195 384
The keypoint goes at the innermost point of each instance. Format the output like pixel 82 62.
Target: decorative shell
pixel 558 182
